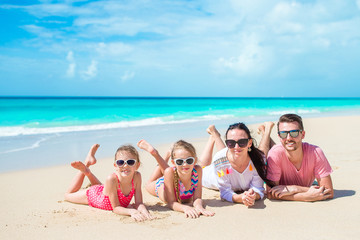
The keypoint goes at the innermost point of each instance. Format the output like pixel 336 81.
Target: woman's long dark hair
pixel 256 155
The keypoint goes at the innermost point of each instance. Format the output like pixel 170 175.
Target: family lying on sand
pixel 238 170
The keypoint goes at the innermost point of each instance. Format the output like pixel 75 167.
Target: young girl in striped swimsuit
pixel 179 184
pixel 120 187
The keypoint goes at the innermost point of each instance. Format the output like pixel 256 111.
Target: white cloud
pixel 113 48
pixel 91 71
pixel 252 57
pixel 127 76
pixel 41 32
pixel 253 10
pixel 58 9
pixel 70 72
pixel 112 26
pixel 70 56
pixel 322 42
pixel 163 38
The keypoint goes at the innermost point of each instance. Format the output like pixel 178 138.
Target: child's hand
pixel 205 212
pixel 138 216
pixel 147 215
pixel 142 209
pixel 248 198
pixel 191 212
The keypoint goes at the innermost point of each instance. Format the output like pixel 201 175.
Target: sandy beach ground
pixel 32 205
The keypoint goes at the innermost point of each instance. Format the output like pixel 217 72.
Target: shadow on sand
pixel 343 193
pixel 222 203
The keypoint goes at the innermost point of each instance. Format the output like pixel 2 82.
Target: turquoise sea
pixel 45 131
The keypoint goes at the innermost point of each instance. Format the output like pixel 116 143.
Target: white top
pixel 220 175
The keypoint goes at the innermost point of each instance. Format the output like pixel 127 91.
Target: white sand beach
pixel 32 205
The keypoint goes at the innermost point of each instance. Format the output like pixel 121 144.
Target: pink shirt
pixel 314 165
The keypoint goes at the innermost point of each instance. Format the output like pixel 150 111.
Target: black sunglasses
pixel 180 162
pixel 293 133
pixel 241 142
pixel 129 162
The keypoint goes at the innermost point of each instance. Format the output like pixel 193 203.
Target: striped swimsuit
pixel 183 193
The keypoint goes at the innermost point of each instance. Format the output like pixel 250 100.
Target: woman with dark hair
pixel 237 170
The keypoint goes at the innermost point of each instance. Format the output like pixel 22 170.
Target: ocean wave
pixel 21 130
pixel 298 111
pixel 34 145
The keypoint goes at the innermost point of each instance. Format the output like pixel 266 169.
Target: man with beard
pixel 293 165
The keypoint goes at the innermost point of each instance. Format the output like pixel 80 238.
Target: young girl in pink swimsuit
pixel 115 195
pixel 179 184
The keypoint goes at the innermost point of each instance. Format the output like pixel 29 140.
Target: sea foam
pixel 23 130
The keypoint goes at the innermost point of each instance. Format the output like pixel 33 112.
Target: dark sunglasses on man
pixel 293 133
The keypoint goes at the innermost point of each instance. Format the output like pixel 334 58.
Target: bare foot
pixel 213 131
pixel 269 126
pixel 81 167
pixel 266 127
pixel 143 144
pixel 261 129
pixel 90 158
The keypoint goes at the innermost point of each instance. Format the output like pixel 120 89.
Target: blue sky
pixel 258 48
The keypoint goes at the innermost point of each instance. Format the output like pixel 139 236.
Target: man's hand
pixel 316 193
pixel 283 190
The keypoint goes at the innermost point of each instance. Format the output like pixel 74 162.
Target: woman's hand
pixel 249 197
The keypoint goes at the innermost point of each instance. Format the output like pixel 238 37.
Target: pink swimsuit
pixel 97 199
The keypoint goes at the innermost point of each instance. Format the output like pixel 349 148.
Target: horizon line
pixel 163 97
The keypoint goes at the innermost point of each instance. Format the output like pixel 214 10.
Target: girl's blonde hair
pixel 130 149
pixel 181 144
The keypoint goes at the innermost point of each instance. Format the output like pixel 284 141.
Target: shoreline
pixel 33 206
pixel 70 147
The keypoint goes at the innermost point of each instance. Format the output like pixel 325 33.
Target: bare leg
pixel 159 169
pixel 79 178
pixel 84 170
pixel 90 158
pixel 74 193
pixel 157 173
pixel 150 149
pixel 206 155
pixel 151 183
pixel 79 197
pixel 214 139
pixel 150 187
pixel 219 144
pixel 266 142
pixel 167 156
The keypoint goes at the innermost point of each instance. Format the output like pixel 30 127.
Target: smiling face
pixel 183 154
pixel 126 170
pixel 291 143
pixel 236 134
